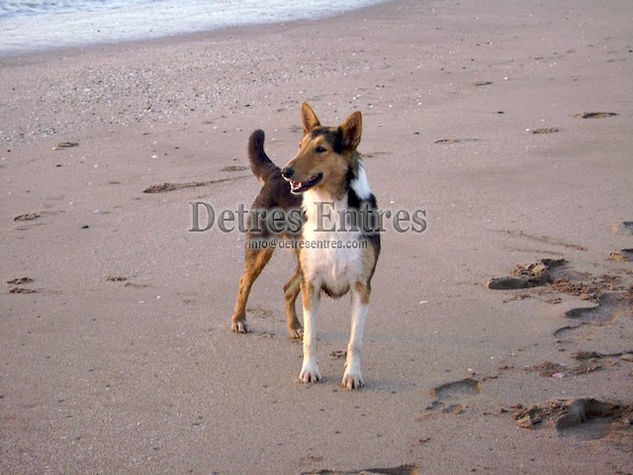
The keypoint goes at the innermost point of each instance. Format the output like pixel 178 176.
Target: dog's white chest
pixel 332 254
pixel 335 268
pixel 336 254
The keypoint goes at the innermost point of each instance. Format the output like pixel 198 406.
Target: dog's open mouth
pixel 297 187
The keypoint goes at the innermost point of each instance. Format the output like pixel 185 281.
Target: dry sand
pixel 117 356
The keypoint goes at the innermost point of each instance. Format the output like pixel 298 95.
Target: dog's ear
pixel 309 118
pixel 351 129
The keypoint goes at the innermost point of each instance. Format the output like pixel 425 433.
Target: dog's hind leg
pixel 254 262
pixel 291 291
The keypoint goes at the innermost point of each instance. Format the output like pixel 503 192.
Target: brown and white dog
pixel 326 178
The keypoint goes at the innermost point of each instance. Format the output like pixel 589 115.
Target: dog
pixel 325 179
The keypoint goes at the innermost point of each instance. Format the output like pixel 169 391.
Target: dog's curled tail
pixel 261 165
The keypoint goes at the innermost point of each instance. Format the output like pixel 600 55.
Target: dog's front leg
pixel 352 377
pixel 310 298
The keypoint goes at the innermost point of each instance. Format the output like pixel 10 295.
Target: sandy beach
pixel 500 340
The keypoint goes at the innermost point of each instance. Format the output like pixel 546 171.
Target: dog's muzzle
pixel 298 187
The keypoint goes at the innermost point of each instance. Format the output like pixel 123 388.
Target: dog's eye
pixel 320 149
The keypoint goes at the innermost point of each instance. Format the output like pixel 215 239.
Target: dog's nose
pixel 287 172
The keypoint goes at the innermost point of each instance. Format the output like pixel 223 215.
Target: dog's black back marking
pixel 367 219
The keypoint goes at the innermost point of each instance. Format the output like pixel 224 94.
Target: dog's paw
pixel 352 380
pixel 239 327
pixel 310 374
pixel 296 333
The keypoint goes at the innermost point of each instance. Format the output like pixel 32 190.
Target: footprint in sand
pixel 527 275
pixel 26 217
pixel 584 419
pixel 588 362
pixel 595 115
pixel 544 131
pixel 22 290
pixel 18 286
pixel 234 168
pixel 134 285
pixel 623 255
pixel 338 354
pixel 454 140
pixel 63 145
pixel 610 307
pixel 450 397
pixel 401 470
pixel 564 332
pixel 259 311
pixel 20 281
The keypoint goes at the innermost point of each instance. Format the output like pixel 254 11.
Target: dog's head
pixel 325 156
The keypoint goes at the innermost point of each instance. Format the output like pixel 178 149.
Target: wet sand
pixel 509 123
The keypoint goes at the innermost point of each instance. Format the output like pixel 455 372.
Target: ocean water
pixel 27 25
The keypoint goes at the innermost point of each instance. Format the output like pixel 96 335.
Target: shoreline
pixel 76 67
pixel 211 34
pixel 509 125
